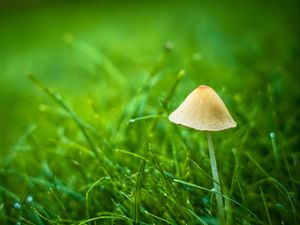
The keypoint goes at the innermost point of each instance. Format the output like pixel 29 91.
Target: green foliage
pixel 85 93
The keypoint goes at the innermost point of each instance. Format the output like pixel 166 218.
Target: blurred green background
pixel 113 61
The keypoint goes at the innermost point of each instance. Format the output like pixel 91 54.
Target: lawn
pixel 86 88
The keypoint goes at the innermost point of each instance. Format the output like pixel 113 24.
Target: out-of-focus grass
pixel 105 77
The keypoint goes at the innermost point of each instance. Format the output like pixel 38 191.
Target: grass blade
pixel 137 195
pixel 265 205
pixel 58 99
pixel 87 196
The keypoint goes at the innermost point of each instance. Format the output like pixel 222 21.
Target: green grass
pixel 85 93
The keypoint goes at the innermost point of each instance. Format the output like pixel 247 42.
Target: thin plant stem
pixel 214 170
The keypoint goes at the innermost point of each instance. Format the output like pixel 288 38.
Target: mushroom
pixel 204 110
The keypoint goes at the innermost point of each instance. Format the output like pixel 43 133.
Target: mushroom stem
pixel 214 170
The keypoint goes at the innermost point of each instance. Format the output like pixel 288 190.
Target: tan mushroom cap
pixel 203 109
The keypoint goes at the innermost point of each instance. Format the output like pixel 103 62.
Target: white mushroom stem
pixel 214 170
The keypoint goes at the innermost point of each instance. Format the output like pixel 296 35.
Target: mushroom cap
pixel 203 109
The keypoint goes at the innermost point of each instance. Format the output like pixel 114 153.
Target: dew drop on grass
pixel 29 199
pixel 17 205
pixel 205 200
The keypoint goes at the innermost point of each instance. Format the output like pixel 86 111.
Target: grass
pixel 85 93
